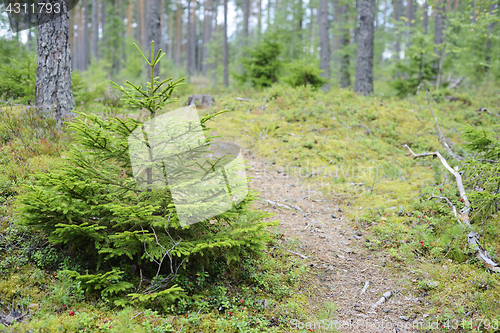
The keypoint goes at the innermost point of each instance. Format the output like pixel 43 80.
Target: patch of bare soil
pixel 348 273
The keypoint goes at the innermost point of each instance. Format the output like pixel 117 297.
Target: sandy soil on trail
pixel 335 251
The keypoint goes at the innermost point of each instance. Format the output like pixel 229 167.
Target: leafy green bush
pixel 18 79
pixel 93 204
pixel 304 73
pixel 262 64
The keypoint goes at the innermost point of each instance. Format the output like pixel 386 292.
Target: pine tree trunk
pixel 324 41
pixel 130 15
pixel 103 26
pixel 246 18
pixel 54 97
pixel 411 16
pixel 193 38
pixel 72 41
pixel 170 51
pixel 80 51
pixel 489 42
pixel 425 21
pixel 207 18
pixel 364 63
pixel 95 29
pixel 259 19
pixel 345 76
pixel 85 34
pixel 153 34
pixel 398 13
pixel 438 39
pixel 178 31
pixel 226 55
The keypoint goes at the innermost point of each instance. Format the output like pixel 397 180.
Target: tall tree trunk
pixel 80 54
pixel 226 55
pixel 364 63
pixel 324 41
pixel 345 76
pixel 178 31
pixel 438 39
pixel 193 38
pixel 54 97
pixel 425 21
pixel 398 4
pixel 489 42
pixel 259 19
pixel 95 29
pixel 410 14
pixel 153 33
pixel 130 15
pixel 72 41
pixel 170 51
pixel 246 18
pixel 207 19
pixel 85 34
pixel 312 31
pixel 103 26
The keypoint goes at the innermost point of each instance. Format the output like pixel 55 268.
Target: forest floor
pixel 335 251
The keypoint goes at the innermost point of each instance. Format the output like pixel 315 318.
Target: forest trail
pixel 335 250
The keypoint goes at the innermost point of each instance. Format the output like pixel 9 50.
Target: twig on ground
pixel 365 288
pixel 463 217
pixel 242 99
pixel 441 137
pixel 488 112
pixel 385 297
pixel 290 206
pixel 317 172
pixel 298 254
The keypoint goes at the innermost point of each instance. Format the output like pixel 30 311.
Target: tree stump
pixel 201 100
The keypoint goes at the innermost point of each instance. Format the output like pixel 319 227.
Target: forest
pixel 249 166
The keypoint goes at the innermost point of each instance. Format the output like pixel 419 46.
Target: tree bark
pixel 130 11
pixel 170 18
pixel 103 26
pixel 489 42
pixel 324 41
pixel 207 18
pixel 85 34
pixel 153 33
pixel 438 39
pixel 95 29
pixel 410 8
pixel 246 18
pixel 178 31
pixel 345 76
pixel 364 63
pixel 54 97
pixel 259 19
pixel 226 60
pixel 425 21
pixel 398 4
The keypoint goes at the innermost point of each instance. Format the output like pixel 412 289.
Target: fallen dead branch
pixel 441 137
pixel 365 288
pixel 454 84
pixel 385 297
pixel 289 206
pixel 298 254
pixel 488 112
pixel 463 215
pixel 242 99
pixel 317 172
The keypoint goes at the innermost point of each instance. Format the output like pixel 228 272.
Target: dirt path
pixel 335 251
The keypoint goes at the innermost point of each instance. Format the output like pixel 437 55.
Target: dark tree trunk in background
pixel 226 60
pixel 259 19
pixel 489 42
pixel 207 20
pixel 170 19
pixel 364 63
pixel 324 41
pixel 410 14
pixel 103 26
pixel 95 29
pixel 345 76
pixel 85 34
pixel 398 5
pixel 192 39
pixel 246 18
pixel 438 40
pixel 54 97
pixel 189 65
pixel 425 21
pixel 153 33
pixel 178 32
